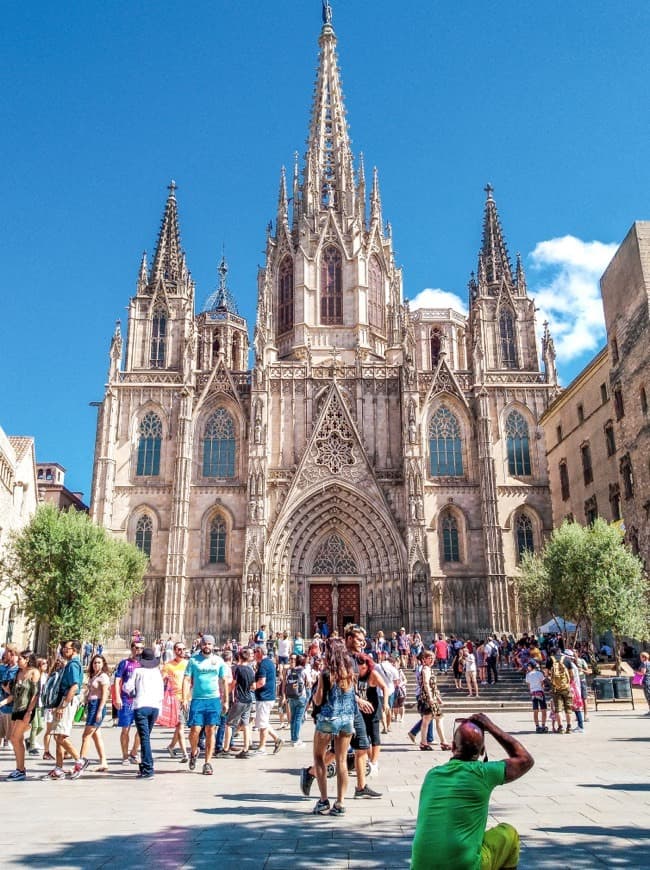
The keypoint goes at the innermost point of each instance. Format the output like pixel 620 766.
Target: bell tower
pixel 329 281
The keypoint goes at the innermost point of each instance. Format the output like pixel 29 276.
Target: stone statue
pixel 327 12
pixel 412 507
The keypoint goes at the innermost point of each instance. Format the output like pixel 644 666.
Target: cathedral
pixel 375 465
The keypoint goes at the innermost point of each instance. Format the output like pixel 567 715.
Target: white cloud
pixel 565 287
pixel 436 298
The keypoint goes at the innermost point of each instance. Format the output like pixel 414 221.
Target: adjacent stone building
pixel 375 465
pixel 52 488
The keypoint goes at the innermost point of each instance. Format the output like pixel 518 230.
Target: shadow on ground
pixel 618 786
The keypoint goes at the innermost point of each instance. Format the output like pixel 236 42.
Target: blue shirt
pixel 7 673
pixel 266 669
pixel 72 673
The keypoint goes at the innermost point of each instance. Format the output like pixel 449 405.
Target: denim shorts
pixel 125 715
pixel 360 739
pixel 91 713
pixel 334 725
pixel 204 711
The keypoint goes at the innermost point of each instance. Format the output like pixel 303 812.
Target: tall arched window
pixel 285 295
pixel 143 532
pixel 149 446
pixel 375 294
pixel 219 445
pixel 331 287
pixel 435 343
pixel 445 446
pixel 524 533
pixel 450 548
pixel 158 337
pixel 217 542
pixel 508 342
pixel 517 444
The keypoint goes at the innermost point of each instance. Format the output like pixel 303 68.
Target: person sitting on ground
pixel 454 799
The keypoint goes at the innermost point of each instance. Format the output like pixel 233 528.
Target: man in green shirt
pixel 450 830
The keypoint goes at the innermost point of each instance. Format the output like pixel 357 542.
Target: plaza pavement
pixel 585 804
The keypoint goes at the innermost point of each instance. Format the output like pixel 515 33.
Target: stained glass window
pixel 333 557
pixel 143 532
pixel 524 532
pixel 285 295
pixel 375 295
pixel 219 445
pixel 149 446
pixel 517 444
pixel 158 337
pixel 450 538
pixel 331 287
pixel 445 445
pixel 508 344
pixel 217 541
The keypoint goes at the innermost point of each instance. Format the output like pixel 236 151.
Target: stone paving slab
pixel 585 804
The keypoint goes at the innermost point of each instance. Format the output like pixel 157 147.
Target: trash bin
pixel 604 688
pixel 622 688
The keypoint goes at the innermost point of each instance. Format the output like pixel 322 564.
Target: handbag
pixel 637 680
pixel 81 712
pixel 168 716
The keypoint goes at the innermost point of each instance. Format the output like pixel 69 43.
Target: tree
pixel 71 575
pixel 589 575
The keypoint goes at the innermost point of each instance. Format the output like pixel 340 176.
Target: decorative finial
pixel 223 271
pixel 489 190
pixel 171 187
pixel 327 12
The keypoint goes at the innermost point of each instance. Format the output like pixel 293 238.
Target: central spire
pixel 329 174
pixel 494 253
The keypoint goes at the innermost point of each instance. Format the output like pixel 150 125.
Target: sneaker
pixel 579 730
pixel 34 752
pixel 567 730
pixel 183 759
pixel 337 810
pixel 544 729
pixel 322 808
pixel 298 744
pixel 243 754
pixel 279 743
pixel 55 773
pixel 193 761
pixel 260 752
pixel 366 792
pixel 374 768
pixel 16 776
pixel 411 736
pixel 223 753
pixel 207 769
pixel 539 730
pixel 79 768
pixel 172 752
pixel 306 780
pixel 126 762
pixel 142 775
pixel 133 759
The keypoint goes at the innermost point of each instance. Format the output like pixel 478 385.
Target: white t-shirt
pixel 469 663
pixel 535 680
pixel 284 647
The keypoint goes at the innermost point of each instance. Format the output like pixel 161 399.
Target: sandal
pixel 47 756
pixel 425 747
pixel 446 746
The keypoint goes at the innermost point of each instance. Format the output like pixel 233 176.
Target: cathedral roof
pixel 221 302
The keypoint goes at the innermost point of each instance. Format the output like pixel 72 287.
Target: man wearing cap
pixel 454 800
pixel 146 687
pixel 204 684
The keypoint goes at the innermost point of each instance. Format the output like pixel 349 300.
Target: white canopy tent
pixel 557 623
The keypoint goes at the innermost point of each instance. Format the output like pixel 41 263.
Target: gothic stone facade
pixel 375 465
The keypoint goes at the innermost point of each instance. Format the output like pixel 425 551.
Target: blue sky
pixel 102 104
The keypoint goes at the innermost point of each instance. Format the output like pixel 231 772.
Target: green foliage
pixel 589 575
pixel 72 575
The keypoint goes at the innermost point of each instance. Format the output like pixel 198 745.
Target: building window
pixel 217 542
pixel 524 533
pixel 149 446
pixel 604 395
pixel 591 510
pixel 445 445
pixel 331 288
pixel 285 295
pixel 587 471
pixel 610 440
pixel 219 445
pixel 375 295
pixel 564 481
pixel 618 403
pixel 643 400
pixel 158 337
pixel 615 501
pixel 435 343
pixel 558 432
pixel 614 347
pixel 143 532
pixel 451 552
pixel 517 445
pixel 581 414
pixel 507 335
pixel 628 477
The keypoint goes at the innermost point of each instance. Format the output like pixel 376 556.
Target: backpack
pixel 295 685
pixel 51 689
pixel 560 679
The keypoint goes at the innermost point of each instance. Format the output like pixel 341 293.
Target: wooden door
pixel 320 605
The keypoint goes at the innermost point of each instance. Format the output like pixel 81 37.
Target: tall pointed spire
pixel 167 264
pixel 143 275
pixel 520 277
pixel 375 199
pixel 329 181
pixel 283 202
pixel 496 261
